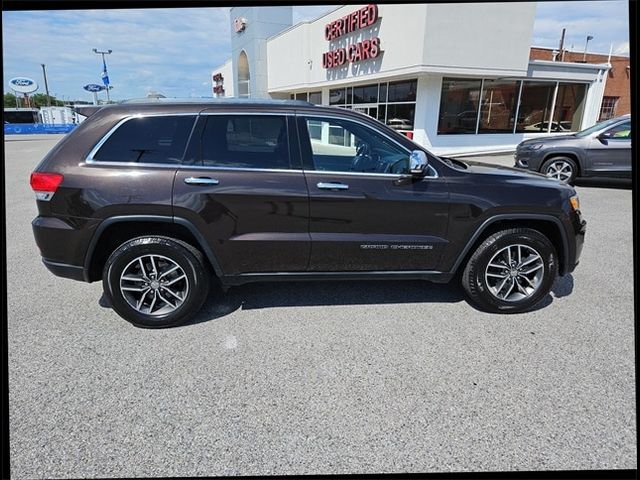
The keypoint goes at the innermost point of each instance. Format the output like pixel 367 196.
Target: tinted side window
pixel 621 132
pixel 344 146
pixel 159 139
pixel 246 141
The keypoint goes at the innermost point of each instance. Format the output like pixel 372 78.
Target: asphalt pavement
pixel 336 377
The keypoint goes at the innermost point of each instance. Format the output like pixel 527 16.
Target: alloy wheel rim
pixel 514 273
pixel 154 285
pixel 560 170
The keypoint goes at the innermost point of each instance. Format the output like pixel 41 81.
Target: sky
pixel 173 51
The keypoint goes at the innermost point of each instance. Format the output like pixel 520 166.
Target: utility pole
pixel 584 56
pixel 561 49
pixel 105 77
pixel 46 85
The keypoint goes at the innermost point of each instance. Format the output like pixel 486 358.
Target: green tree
pixel 9 100
pixel 40 100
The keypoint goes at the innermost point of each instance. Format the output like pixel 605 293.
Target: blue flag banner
pixel 105 75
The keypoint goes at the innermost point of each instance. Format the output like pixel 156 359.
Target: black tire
pixel 474 278
pixel 174 253
pixel 566 162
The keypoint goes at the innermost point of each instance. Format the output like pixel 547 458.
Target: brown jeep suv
pixel 157 199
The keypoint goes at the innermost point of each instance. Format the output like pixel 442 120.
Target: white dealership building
pixel 457 78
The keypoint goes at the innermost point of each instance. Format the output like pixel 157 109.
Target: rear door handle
pixel 201 181
pixel 332 186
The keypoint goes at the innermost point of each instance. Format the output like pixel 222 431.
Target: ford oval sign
pixel 93 87
pixel 23 85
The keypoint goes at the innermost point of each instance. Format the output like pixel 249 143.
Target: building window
pixel 392 103
pixel 337 96
pixel 459 106
pixel 567 112
pixel 365 94
pixel 301 96
pixel 315 98
pixel 498 107
pixel 501 100
pixel 536 101
pixel 404 91
pixel 608 108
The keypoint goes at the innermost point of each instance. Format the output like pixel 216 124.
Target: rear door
pixel 610 153
pixel 366 213
pixel 242 186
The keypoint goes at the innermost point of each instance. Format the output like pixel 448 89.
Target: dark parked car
pixel 156 199
pixel 603 150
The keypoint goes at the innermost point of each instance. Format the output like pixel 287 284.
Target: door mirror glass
pixel 418 162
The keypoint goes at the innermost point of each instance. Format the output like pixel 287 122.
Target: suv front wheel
pixel 156 282
pixel 511 271
pixel 561 168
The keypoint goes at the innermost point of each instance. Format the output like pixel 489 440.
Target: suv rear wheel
pixel 156 282
pixel 511 271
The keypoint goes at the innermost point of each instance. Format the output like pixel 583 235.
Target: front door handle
pixel 201 181
pixel 332 186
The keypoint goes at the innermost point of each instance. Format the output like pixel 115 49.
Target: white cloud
pixel 621 48
pixel 606 21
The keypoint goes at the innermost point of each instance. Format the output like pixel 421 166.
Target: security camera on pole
pixel 105 75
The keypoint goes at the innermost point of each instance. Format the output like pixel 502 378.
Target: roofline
pixel 304 22
pixel 577 51
pixel 585 66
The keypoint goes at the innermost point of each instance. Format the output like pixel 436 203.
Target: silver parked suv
pixel 603 150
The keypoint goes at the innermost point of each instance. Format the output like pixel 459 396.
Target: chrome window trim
pixel 357 174
pixel 91 162
pixel 90 157
pixel 255 114
pixel 335 117
pixel 239 169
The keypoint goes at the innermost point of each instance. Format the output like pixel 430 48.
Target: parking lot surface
pixel 336 377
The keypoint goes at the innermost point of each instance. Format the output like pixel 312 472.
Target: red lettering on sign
pixel 375 47
pixel 356 52
pixel 361 18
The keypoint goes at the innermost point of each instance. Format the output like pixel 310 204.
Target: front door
pixel 243 188
pixel 366 213
pixel 610 153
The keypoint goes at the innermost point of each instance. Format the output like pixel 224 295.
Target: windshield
pixel 597 126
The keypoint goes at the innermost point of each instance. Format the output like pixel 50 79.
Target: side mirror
pixel 418 162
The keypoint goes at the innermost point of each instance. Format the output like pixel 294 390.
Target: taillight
pixel 45 184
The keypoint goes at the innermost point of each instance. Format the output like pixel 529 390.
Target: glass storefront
pixel 459 105
pixel 569 107
pixel 491 106
pixel 393 103
pixel 536 101
pixel 498 109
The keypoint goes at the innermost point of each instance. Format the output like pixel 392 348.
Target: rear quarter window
pixel 160 139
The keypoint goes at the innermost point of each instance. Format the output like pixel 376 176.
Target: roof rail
pixel 224 100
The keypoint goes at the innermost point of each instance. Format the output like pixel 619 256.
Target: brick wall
pixel 618 83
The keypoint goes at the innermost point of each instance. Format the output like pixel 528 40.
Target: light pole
pixel 584 56
pixel 46 85
pixel 105 77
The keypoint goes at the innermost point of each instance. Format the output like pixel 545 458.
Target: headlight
pixel 536 146
pixel 575 202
